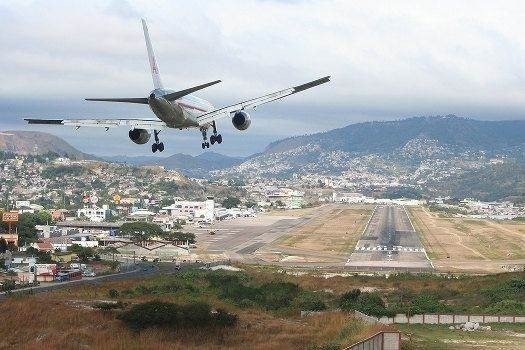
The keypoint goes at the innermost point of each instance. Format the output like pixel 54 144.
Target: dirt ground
pixel 470 244
pixel 331 229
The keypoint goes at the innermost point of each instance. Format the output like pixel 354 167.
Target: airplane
pixel 178 109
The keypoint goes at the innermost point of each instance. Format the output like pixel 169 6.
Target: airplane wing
pixel 148 124
pixel 214 115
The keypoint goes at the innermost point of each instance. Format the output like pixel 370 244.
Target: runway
pixel 389 242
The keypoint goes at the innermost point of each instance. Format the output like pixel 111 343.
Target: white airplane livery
pixel 178 109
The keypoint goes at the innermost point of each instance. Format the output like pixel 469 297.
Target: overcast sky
pixel 388 59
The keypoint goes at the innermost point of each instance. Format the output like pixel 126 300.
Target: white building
pixel 192 210
pixel 94 213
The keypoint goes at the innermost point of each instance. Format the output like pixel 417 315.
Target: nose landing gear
pixel 157 146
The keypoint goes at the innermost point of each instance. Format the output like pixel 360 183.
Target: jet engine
pixel 241 120
pixel 139 136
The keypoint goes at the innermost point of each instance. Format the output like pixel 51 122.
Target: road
pixel 388 242
pixel 141 270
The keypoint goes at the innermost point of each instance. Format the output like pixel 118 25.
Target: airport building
pixel 192 210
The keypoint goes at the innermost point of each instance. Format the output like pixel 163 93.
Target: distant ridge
pixel 193 166
pixel 441 155
pixel 38 143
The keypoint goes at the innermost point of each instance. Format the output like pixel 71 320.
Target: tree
pixel 231 202
pixel 41 256
pixel 139 232
pixel 3 245
pixel 83 253
pixel 180 237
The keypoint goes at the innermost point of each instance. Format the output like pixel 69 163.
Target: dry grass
pixel 336 230
pixel 42 322
pixel 64 320
pixel 450 240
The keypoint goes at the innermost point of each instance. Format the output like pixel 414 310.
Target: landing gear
pixel 215 137
pixel 157 146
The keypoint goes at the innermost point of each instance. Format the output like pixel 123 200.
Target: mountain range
pixel 192 166
pixel 442 155
pixel 37 143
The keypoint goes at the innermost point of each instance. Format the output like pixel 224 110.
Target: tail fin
pixel 157 83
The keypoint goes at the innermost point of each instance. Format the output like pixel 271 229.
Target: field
pixel 266 300
pixel 455 244
pixel 330 233
pixel 438 337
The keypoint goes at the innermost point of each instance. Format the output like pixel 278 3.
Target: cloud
pixel 388 59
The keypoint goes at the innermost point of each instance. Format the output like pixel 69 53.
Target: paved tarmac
pixel 389 241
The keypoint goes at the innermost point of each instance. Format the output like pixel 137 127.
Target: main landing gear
pixel 157 146
pixel 215 138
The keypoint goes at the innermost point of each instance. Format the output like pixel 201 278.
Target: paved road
pixel 389 241
pixel 141 270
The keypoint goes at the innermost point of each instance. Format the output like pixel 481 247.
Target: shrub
pixel 225 319
pixel 513 289
pixel 509 307
pixel 113 293
pixel 310 301
pixel 427 303
pixel 277 295
pixel 369 303
pixel 108 306
pixel 174 316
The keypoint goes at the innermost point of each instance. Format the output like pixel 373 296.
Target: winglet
pixel 157 83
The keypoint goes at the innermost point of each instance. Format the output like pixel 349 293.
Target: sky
pixel 388 60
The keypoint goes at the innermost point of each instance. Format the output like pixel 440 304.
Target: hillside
pixel 193 166
pixel 37 143
pixel 441 155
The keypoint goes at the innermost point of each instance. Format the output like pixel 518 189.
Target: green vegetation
pixel 231 202
pixel 61 171
pixel 140 231
pixel 103 305
pixel 403 293
pixel 180 237
pixel 175 316
pixel 369 303
pixel 26 226
pixel 439 337
pixel 84 253
pixel 41 256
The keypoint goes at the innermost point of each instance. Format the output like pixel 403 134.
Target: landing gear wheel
pixel 213 139
pixel 160 146
pixel 207 144
pixel 154 147
pixel 219 139
pixel 203 145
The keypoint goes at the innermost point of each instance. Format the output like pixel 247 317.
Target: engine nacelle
pixel 139 136
pixel 241 120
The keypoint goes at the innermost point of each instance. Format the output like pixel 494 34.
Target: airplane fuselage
pixel 181 113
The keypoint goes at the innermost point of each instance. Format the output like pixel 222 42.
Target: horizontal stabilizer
pixel 311 84
pixel 141 100
pixel 176 95
pixel 44 121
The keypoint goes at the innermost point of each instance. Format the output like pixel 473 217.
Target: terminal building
pixel 192 210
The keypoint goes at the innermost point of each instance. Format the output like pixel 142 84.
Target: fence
pixel 385 340
pixel 440 319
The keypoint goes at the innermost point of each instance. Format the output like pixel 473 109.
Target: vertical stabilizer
pixel 157 83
